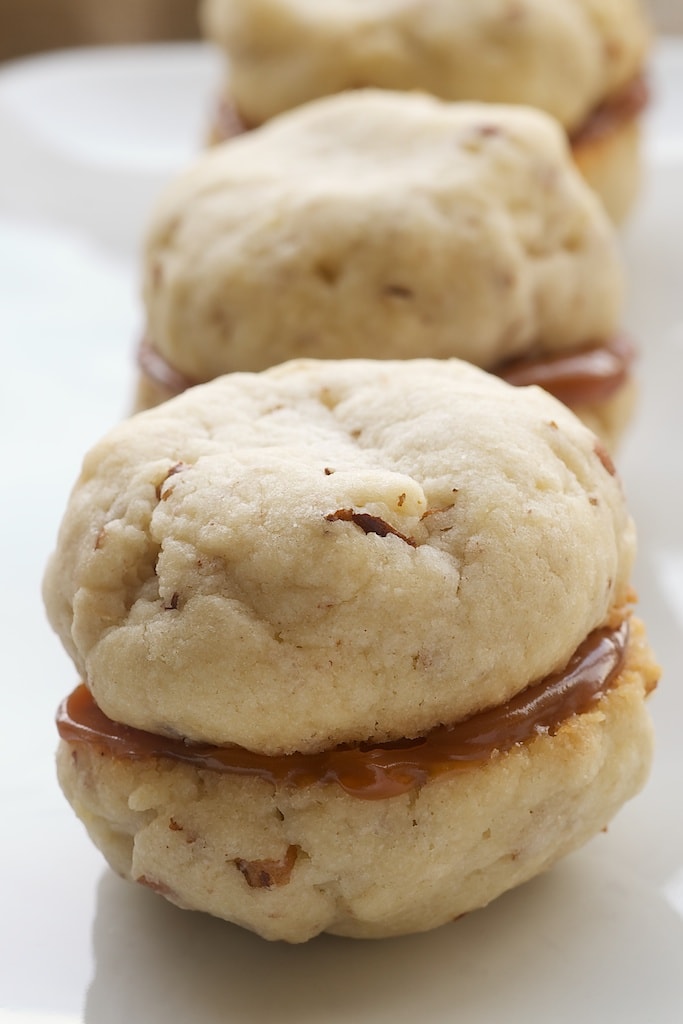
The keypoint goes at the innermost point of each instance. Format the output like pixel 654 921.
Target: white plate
pixel 86 141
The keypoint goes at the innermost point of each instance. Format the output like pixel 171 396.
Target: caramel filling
pixel 608 117
pixel 613 113
pixel 579 377
pixel 160 372
pixel 377 771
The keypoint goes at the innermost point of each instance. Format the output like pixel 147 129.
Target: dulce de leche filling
pixel 377 771
pixel 614 113
pixel 581 376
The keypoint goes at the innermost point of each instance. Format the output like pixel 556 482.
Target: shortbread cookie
pixel 338 614
pixel 579 60
pixel 392 226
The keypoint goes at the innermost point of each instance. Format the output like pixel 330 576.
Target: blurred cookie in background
pixel 582 61
pixel 390 225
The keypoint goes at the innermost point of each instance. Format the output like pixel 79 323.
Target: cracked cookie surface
pixel 315 554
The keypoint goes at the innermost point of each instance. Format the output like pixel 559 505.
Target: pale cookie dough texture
pixel 331 552
pixel 566 57
pixel 382 225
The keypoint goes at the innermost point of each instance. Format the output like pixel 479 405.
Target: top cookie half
pixel 336 551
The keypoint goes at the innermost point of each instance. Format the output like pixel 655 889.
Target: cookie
pixel 581 61
pixel 386 225
pixel 338 614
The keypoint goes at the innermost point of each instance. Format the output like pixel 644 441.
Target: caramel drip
pixel 228 123
pixel 369 771
pixel 580 377
pixel 614 112
pixel 157 369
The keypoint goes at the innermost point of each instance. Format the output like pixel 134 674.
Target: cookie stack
pixel 350 603
pixel 358 645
